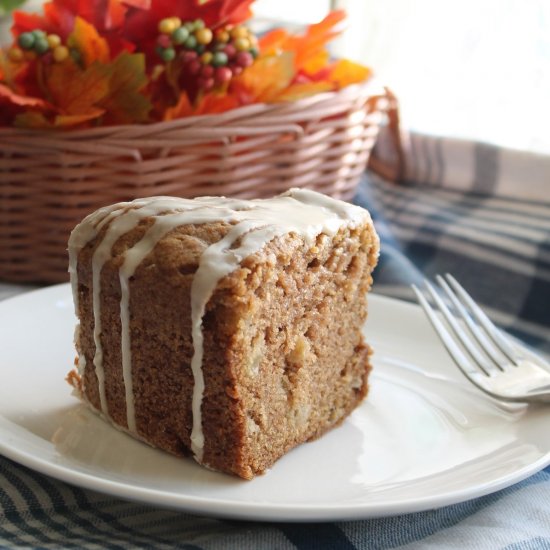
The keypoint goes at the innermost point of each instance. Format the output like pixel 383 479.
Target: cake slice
pixel 224 329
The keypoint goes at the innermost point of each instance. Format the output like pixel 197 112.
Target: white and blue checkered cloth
pixel 476 211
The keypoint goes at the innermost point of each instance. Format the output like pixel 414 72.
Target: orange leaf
pixel 215 103
pixel 75 91
pixel 327 28
pixel 89 43
pixel 272 42
pixel 314 41
pixel 265 79
pixel 345 72
pixel 182 108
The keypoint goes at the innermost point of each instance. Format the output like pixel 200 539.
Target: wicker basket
pixel 50 181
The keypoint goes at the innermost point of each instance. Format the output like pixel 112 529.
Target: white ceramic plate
pixel 424 437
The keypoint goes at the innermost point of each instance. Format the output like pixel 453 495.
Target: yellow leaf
pixel 299 91
pixel 31 119
pixel 316 62
pixel 345 72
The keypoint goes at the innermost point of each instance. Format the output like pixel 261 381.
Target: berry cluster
pixel 210 56
pixel 37 43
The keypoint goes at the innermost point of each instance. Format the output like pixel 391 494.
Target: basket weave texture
pixel 50 180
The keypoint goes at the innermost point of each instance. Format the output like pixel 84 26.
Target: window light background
pixel 472 69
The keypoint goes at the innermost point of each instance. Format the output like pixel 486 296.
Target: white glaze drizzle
pixel 87 230
pixel 256 222
pixel 82 235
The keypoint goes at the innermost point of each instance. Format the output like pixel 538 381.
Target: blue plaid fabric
pixel 480 213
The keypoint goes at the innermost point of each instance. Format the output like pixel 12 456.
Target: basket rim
pixel 370 87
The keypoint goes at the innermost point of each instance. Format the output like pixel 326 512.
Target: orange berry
pixel 239 32
pixel 16 55
pixel 60 53
pixel 53 40
pixel 167 26
pixel 204 36
pixel 222 36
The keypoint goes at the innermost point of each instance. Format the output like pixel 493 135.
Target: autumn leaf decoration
pixel 86 63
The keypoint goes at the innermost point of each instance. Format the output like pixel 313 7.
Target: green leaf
pixel 9 5
pixel 126 102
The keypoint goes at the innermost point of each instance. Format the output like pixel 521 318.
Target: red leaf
pixel 20 100
pixel 140 4
pixel 234 11
pixel 25 22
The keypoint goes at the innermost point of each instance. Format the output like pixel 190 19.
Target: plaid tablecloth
pixel 476 211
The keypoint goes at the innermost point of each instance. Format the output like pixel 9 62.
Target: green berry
pixel 254 52
pixel 41 45
pixel 39 34
pixel 191 42
pixel 190 26
pixel 180 35
pixel 198 24
pixel 26 40
pixel 167 54
pixel 75 54
pixel 219 59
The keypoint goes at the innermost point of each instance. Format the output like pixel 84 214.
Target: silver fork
pixel 486 356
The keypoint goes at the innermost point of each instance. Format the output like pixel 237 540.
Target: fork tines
pixel 481 351
pixel 467 324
